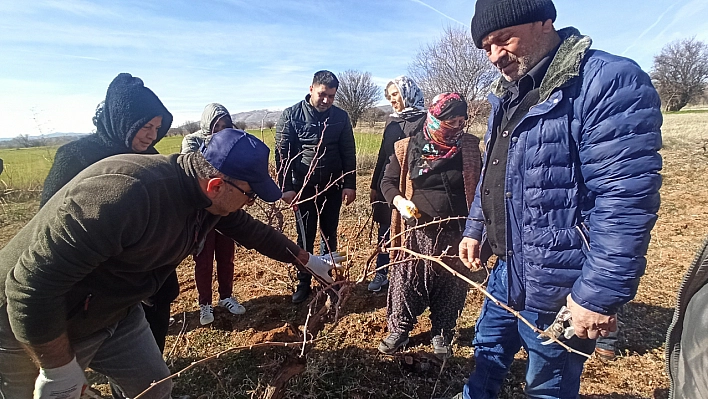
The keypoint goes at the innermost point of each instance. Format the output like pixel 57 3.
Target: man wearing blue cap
pixel 568 195
pixel 77 272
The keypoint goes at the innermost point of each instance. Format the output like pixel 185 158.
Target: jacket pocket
pixel 584 236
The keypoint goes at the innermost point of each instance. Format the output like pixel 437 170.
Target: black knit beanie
pixel 492 15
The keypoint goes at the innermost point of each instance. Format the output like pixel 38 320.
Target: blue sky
pixel 58 56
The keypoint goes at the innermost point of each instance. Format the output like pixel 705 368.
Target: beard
pixel 517 66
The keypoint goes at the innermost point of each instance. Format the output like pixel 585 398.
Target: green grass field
pixel 26 168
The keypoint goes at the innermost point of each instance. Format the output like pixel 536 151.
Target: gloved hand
pixel 321 265
pixel 65 382
pixel 406 208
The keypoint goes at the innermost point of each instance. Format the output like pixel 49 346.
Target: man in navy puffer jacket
pixel 568 195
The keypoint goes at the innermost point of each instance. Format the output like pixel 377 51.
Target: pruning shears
pixel 561 326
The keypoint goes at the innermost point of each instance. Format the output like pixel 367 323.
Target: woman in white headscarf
pixel 407 120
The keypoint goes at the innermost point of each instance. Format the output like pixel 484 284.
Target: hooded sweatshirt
pixel 211 114
pixel 129 105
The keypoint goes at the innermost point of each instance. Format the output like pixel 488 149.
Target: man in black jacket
pixel 316 160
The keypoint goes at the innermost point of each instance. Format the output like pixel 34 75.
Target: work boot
pixel 393 342
pixel 303 287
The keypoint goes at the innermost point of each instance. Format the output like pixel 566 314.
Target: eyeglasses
pixel 250 194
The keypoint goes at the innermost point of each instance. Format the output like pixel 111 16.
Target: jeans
pixel 551 371
pixel 325 210
pixel 125 352
pixel 217 248
pixel 383 258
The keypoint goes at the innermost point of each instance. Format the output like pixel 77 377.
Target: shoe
pixel 206 314
pixel 605 354
pixel 379 281
pixel 441 348
pixel 302 292
pixel 458 396
pixel 232 305
pixel 393 342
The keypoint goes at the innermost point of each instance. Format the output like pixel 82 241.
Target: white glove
pixel 65 382
pixel 406 208
pixel 321 265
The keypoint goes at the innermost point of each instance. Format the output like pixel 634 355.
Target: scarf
pixel 412 97
pixel 437 142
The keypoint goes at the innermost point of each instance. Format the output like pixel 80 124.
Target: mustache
pixel 505 61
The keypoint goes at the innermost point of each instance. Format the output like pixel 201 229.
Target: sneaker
pixel 302 292
pixel 458 396
pixel 393 342
pixel 232 305
pixel 206 314
pixel 379 281
pixel 441 348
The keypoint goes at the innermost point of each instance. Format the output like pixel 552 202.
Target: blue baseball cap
pixel 241 156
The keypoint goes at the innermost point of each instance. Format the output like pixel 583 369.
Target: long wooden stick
pixel 486 293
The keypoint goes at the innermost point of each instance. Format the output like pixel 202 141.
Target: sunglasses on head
pixel 250 194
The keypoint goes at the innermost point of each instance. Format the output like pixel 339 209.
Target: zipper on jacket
pixel 583 237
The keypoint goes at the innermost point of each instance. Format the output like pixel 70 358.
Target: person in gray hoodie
pixel 215 118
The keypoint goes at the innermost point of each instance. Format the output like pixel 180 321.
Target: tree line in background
pixel 453 63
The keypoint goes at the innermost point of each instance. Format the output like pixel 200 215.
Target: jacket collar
pixel 193 193
pixel 564 67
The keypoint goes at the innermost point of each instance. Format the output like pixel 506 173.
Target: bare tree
pixel 356 94
pixel 184 129
pixel 269 124
pixel 240 125
pixel 373 115
pixel 680 72
pixel 453 64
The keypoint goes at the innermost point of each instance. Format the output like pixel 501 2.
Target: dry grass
pixel 346 364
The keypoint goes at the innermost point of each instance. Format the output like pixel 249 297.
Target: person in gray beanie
pixel 568 196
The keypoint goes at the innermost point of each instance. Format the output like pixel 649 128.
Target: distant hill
pixel 253 118
pixel 49 136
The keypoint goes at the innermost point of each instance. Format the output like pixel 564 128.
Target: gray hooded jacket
pixel 212 112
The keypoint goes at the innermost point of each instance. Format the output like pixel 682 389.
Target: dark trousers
pixel 157 313
pixel 325 210
pixel 220 248
pixel 383 258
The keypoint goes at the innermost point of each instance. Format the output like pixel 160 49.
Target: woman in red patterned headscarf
pixel 431 179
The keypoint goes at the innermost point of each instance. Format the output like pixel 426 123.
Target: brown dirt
pixel 346 364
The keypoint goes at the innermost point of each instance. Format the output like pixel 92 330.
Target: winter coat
pixel 212 112
pixel 397 181
pixel 109 239
pixel 582 186
pixel 687 337
pixel 396 129
pixel 303 136
pixel 129 105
